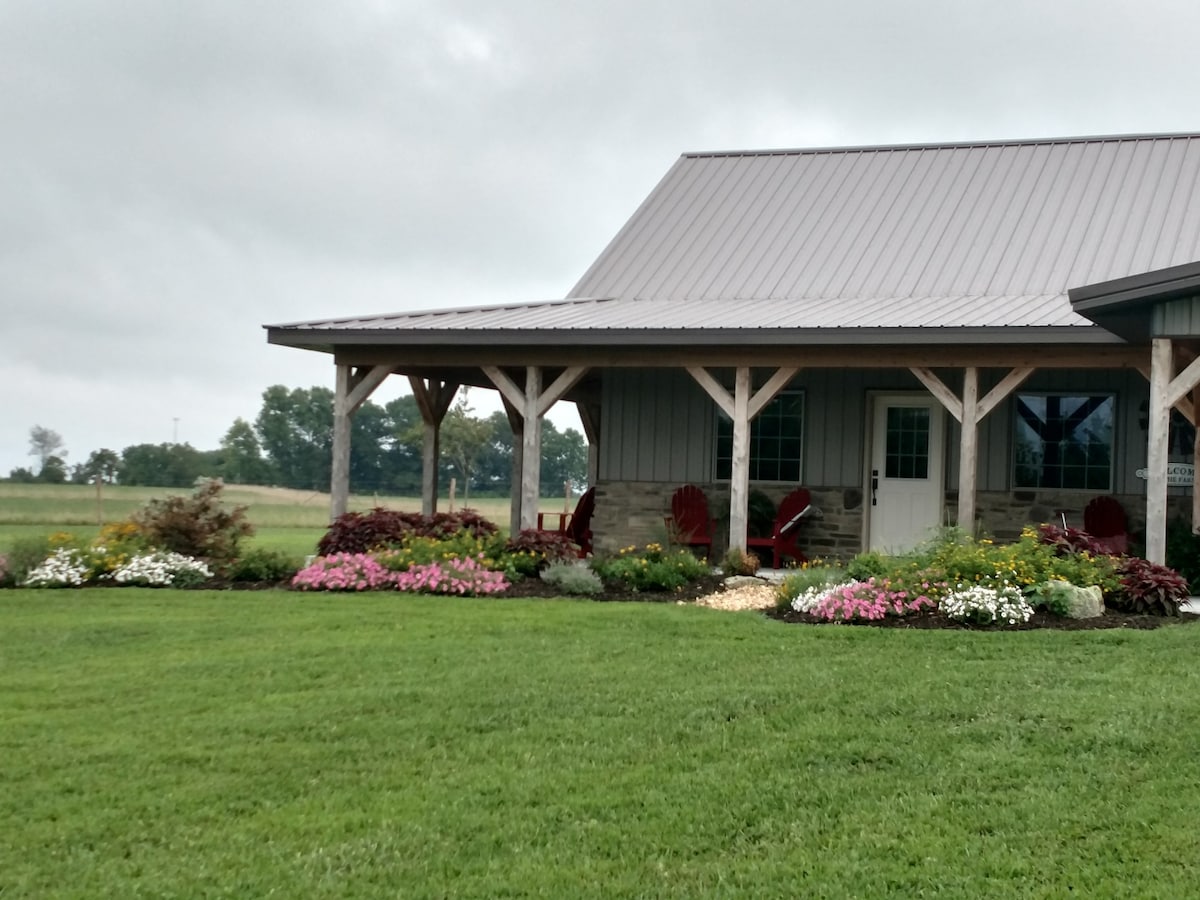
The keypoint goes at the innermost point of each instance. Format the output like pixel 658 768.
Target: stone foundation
pixel 1001 514
pixel 634 512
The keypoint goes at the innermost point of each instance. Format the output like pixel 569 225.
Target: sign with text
pixel 1178 474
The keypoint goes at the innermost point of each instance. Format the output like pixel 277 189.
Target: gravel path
pixel 750 596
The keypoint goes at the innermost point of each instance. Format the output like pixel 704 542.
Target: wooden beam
pixel 339 481
pixel 558 389
pixel 1156 451
pixel 531 450
pixel 765 394
pixel 938 388
pixel 1002 389
pixel 739 478
pixel 1182 384
pixel 433 401
pixel 363 384
pixel 468 359
pixel 968 450
pixel 1184 405
pixel 589 417
pixel 506 386
pixel 713 388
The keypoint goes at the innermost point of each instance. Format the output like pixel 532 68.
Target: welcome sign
pixel 1178 474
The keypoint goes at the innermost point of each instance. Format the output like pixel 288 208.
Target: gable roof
pixel 948 238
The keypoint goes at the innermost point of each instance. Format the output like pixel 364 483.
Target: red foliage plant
pixel 381 528
pixel 1149 588
pixel 1066 541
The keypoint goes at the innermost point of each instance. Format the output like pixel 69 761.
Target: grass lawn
pixel 179 744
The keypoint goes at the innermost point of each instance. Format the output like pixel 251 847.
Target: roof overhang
pixel 1124 306
pixel 331 340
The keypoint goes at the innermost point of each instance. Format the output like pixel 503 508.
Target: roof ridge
pixel 945 145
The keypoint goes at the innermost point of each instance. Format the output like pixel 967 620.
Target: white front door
pixel 905 479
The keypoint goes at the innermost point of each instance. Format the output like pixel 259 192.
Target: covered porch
pixel 968 381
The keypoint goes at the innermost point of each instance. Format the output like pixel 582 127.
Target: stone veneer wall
pixel 634 512
pixel 1002 513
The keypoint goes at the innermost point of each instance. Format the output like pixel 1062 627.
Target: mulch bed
pixel 1040 620
pixel 535 587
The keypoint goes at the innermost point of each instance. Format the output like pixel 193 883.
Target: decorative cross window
pixel 1064 441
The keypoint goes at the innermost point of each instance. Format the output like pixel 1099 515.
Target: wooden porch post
pixel 742 407
pixel 351 389
pixel 969 411
pixel 1161 364
pixel 531 448
pixel 433 400
pixel 532 403
pixel 517 424
pixel 968 450
pixel 739 476
pixel 339 481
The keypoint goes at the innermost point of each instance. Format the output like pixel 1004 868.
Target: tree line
pixel 290 444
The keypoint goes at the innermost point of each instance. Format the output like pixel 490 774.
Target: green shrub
pixel 651 568
pixel 573 579
pixel 198 526
pixel 1183 551
pixel 1051 596
pixel 531 551
pixel 422 550
pixel 739 562
pixel 25 555
pixel 264 564
pixel 806 578
pixel 868 565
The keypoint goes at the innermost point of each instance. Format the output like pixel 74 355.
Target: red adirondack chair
pixel 786 533
pixel 689 522
pixel 1104 519
pixel 576 525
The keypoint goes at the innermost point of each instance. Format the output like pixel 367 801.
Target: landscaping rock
pixel 1083 602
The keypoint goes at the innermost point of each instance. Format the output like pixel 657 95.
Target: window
pixel 907 449
pixel 1064 441
pixel 776 441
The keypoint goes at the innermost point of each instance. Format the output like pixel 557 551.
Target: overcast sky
pixel 177 174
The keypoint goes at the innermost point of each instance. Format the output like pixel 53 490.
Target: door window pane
pixel 907 442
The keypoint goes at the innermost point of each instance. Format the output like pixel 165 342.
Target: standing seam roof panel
pixel 1002 219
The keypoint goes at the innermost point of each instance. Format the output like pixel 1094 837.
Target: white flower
pixel 159 569
pixel 977 603
pixel 63 568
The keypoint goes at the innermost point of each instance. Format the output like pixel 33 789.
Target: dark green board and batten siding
pixel 660 426
pixel 1176 318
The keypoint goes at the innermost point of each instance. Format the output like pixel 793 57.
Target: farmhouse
pixel 984 334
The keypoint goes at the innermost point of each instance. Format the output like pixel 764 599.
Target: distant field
pixel 283 518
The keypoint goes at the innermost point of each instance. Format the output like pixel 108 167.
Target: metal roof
pixel 726 314
pixel 979 235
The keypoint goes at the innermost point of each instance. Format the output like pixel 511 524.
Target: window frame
pixel 757 439
pixel 1016 422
